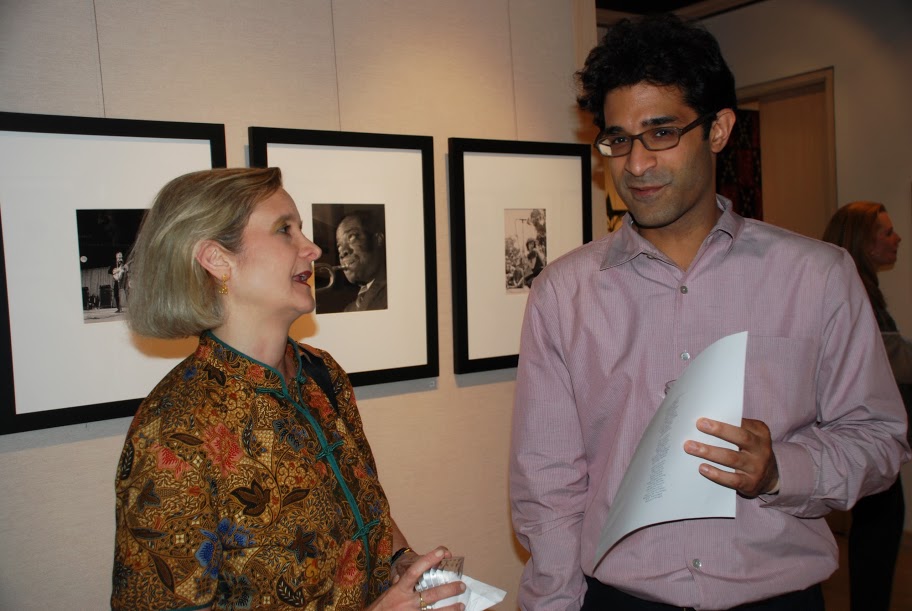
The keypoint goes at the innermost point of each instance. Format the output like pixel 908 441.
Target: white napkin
pixel 476 597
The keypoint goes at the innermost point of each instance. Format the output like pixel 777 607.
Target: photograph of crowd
pixel 525 247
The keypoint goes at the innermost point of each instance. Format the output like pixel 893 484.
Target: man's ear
pixel 379 239
pixel 213 257
pixel 721 129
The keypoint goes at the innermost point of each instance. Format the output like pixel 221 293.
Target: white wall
pixel 869 47
pixel 474 68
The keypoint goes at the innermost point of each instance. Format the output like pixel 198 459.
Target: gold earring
pixel 223 287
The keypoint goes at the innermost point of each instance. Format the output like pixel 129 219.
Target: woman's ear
pixel 721 129
pixel 213 257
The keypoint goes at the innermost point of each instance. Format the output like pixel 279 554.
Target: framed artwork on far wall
pixel 73 191
pixel 367 200
pixel 514 206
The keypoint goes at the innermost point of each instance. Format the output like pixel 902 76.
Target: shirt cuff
pixel 797 475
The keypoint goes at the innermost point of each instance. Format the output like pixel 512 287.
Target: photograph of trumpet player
pixel 350 276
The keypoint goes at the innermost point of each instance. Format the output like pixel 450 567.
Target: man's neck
pixel 681 242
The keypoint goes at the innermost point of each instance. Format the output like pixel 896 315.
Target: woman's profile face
pixel 270 276
pixel 885 244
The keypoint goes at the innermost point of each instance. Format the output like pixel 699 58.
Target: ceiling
pixel 609 11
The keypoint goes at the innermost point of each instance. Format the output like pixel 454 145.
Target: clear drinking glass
pixel 449 570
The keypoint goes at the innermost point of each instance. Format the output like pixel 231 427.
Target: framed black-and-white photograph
pixel 105 242
pixel 351 273
pixel 367 200
pixel 514 207
pixel 73 191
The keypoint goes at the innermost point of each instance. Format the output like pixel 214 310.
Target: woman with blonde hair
pixel 865 230
pixel 246 481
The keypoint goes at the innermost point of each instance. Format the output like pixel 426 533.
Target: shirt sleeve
pixel 548 475
pixel 859 441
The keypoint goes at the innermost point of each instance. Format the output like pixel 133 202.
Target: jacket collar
pixel 237 365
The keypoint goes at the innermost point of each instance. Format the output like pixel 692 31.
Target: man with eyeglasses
pixel 609 325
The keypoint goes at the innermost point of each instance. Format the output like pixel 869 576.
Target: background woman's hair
pixel 854 227
pixel 171 295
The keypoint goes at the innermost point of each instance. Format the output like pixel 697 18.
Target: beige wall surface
pixel 868 46
pixel 479 68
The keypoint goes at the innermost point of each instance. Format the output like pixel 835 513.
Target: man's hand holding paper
pixel 754 464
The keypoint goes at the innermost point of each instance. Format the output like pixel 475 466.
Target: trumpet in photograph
pixel 324 275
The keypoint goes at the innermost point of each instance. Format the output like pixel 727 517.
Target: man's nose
pixel 639 159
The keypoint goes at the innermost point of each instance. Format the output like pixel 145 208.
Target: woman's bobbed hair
pixel 171 294
pixel 854 227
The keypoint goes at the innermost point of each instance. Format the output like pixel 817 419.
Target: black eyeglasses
pixel 655 139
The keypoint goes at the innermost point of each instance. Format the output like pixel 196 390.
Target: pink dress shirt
pixel 609 324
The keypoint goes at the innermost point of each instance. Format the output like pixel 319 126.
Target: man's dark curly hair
pixel 661 50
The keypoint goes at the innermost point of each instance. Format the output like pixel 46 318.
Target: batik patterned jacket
pixel 238 491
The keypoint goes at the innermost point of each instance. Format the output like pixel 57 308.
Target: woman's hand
pixel 402 563
pixel 402 595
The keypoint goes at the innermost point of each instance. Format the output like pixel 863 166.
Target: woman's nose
pixel 310 250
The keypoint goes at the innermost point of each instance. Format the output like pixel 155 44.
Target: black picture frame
pixel 488 179
pixel 341 171
pixel 56 370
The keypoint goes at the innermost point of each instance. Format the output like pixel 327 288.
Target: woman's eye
pixel 284 228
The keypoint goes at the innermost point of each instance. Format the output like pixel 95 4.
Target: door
pixel 797 150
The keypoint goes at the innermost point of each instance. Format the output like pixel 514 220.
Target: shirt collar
pixel 627 243
pixel 366 287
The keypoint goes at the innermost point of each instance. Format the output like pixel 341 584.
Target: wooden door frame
pixel 795 85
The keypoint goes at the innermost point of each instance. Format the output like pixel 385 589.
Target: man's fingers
pixel 753 464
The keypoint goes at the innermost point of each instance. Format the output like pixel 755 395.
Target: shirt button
pixel 685 356
pixel 697 563
pixel 684 290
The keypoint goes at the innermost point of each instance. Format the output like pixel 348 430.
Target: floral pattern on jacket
pixel 238 491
